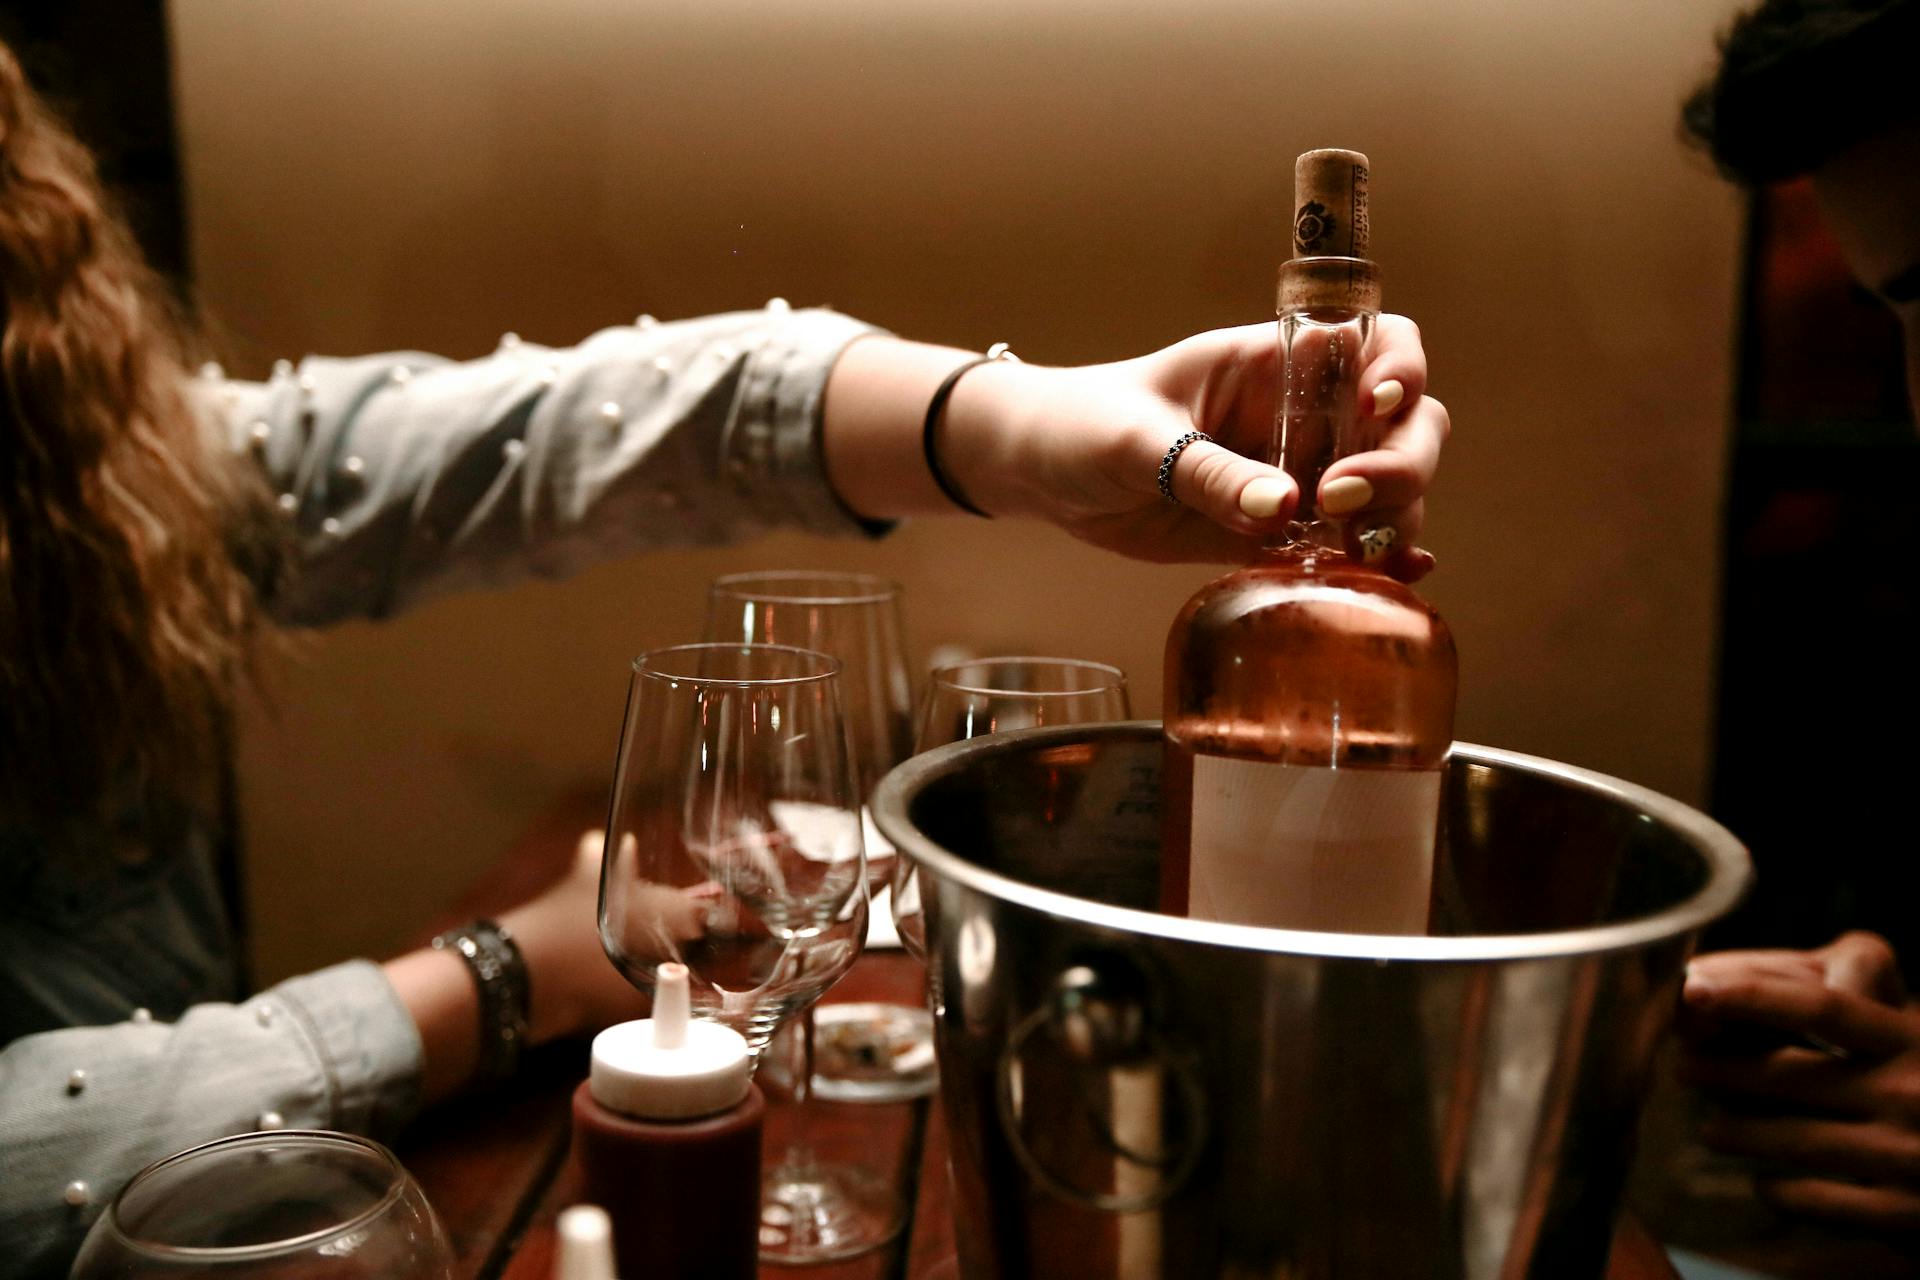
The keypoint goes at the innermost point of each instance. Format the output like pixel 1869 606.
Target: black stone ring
pixel 1172 455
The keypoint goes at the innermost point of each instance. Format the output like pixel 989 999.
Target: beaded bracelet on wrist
pixel 500 977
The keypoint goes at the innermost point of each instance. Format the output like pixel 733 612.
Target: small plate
pixel 872 1052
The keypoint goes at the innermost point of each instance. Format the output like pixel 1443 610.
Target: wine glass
pixel 991 695
pixel 733 837
pixel 288 1203
pixel 854 617
pixel 734 847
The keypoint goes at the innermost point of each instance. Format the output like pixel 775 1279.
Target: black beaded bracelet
pixel 935 407
pixel 500 976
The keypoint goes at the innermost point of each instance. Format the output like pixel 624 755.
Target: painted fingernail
pixel 1345 496
pixel 1261 498
pixel 1387 397
pixel 1376 542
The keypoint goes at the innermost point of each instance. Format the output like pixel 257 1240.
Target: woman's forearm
pixel 876 405
pixel 439 995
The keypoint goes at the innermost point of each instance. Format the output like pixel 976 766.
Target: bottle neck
pixel 1305 543
pixel 1328 310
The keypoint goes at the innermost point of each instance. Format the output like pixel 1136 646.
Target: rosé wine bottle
pixel 1310 696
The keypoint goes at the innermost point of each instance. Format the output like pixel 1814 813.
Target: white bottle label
pixel 1299 847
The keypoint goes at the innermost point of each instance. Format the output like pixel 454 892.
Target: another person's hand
pixel 575 990
pixel 1081 447
pixel 1812 1059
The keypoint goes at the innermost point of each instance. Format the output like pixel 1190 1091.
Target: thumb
pixel 587 853
pixel 1231 490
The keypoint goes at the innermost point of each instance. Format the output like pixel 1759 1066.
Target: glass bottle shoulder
pixel 1326 663
pixel 1324 591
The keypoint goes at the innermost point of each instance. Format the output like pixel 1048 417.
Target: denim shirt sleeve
pixel 407 475
pixel 93 1105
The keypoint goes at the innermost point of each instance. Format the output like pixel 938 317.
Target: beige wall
pixel 1084 180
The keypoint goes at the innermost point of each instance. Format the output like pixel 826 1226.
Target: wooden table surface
pixel 495 1169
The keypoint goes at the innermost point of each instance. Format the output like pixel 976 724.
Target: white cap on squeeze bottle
pixel 586 1244
pixel 670 1066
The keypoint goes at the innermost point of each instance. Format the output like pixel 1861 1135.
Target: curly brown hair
pixel 126 614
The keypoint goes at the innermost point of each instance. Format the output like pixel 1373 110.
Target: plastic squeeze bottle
pixel 666 1139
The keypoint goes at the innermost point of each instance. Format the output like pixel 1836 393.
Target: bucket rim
pixel 1729 866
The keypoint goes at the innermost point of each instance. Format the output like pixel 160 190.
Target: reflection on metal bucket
pixel 1130 1094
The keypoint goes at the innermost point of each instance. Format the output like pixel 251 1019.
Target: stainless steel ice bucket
pixel 1130 1094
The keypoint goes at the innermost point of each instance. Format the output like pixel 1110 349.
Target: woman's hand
pixel 574 988
pixel 1813 1060
pixel 1081 447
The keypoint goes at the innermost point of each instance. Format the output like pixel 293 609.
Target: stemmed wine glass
pixel 854 617
pixel 270 1206
pixel 991 695
pixel 734 847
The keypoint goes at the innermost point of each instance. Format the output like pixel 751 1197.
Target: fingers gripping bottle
pixel 1309 695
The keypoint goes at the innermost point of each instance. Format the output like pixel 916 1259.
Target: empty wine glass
pixel 855 617
pixel 734 846
pixel 281 1205
pixel 734 834
pixel 992 695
